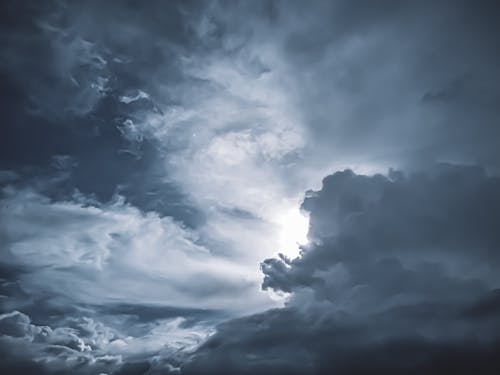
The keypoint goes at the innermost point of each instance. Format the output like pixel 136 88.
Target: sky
pixel 242 187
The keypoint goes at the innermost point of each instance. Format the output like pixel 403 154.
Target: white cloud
pixel 84 340
pixel 233 142
pixel 127 99
pixel 116 253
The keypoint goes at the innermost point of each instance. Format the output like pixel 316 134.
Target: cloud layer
pixel 400 276
pixel 111 253
pixel 152 156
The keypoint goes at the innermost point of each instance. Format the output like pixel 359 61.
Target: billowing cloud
pixel 85 346
pixel 400 271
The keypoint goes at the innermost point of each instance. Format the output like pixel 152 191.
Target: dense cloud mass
pixel 154 154
pixel 401 276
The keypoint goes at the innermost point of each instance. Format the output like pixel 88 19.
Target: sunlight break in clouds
pixel 293 228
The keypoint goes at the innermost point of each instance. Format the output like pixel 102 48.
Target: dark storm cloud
pixel 146 146
pixel 88 52
pixel 392 82
pixel 374 84
pixel 400 276
pixel 424 231
pixel 82 89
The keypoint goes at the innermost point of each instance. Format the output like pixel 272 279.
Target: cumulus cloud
pixel 364 229
pixel 400 270
pixel 85 346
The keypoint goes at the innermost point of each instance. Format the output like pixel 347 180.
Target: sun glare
pixel 293 231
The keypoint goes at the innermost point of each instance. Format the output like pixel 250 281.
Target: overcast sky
pixel 243 187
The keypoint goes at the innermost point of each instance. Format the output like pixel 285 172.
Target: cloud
pixel 395 268
pixel 49 350
pixel 105 288
pixel 149 159
pixel 440 224
pixel 191 121
pixel 355 75
pixel 114 253
pixel 130 99
pixel 85 346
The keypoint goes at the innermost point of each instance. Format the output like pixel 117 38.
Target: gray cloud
pixel 360 76
pixel 440 224
pixel 400 271
pixel 152 156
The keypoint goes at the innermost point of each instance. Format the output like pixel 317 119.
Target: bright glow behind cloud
pixel 293 231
